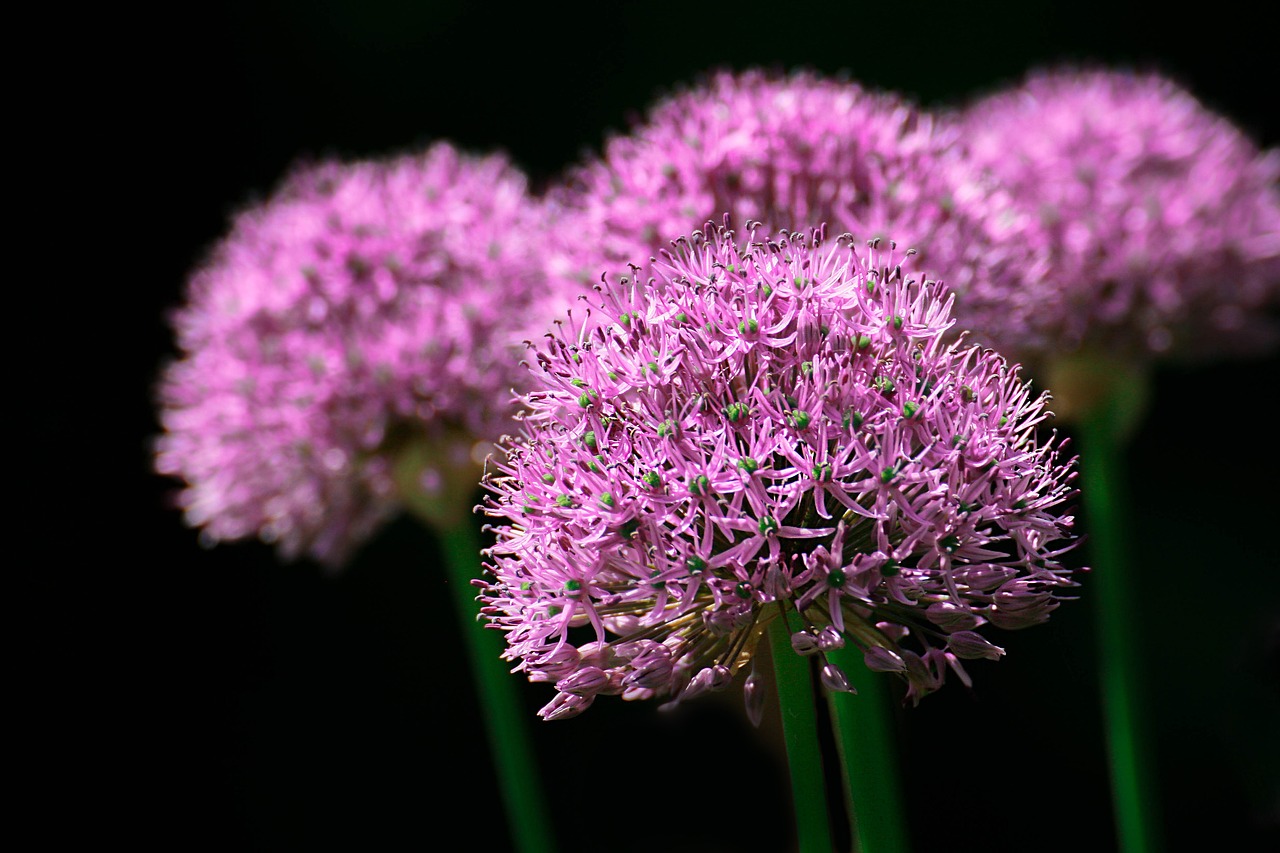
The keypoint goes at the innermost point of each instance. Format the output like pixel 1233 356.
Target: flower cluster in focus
pixel 1152 225
pixel 775 429
pixel 367 317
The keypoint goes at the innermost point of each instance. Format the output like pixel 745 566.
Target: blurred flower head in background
pixel 781 429
pixel 348 345
pixel 793 151
pixel 1151 225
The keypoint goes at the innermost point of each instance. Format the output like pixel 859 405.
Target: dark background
pixel 217 699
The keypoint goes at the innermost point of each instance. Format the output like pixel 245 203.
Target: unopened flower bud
pixel 804 643
pixel 880 659
pixel 829 638
pixel 565 705
pixel 833 678
pixel 971 645
pixel 584 682
pixel 949 616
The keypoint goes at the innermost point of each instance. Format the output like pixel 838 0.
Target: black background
pixel 218 699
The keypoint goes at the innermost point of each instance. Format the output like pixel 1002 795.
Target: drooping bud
pixel 804 643
pixel 880 659
pixel 565 706
pixel 585 682
pixel 949 616
pixel 833 678
pixel 829 638
pixel 971 645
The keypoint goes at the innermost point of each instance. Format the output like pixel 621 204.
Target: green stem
pixel 499 701
pixel 1105 503
pixel 865 737
pixel 800 732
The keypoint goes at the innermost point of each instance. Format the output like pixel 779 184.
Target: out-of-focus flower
pixel 1152 225
pixel 791 151
pixel 775 430
pixel 346 347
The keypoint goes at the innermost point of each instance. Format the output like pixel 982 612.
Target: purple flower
pixel 350 342
pixel 780 430
pixel 791 151
pixel 1151 225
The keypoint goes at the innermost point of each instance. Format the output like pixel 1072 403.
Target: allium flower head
pixel 791 151
pixel 363 317
pixel 1154 222
pixel 775 430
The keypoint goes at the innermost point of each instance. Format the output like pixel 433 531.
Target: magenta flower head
pixel 1154 223
pixel 791 151
pixel 347 345
pixel 774 430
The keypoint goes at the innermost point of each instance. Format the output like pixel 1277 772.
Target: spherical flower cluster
pixel 791 151
pixel 774 430
pixel 1155 222
pixel 364 317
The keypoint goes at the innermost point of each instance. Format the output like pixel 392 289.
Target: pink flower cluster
pixel 795 151
pixel 363 309
pixel 780 429
pixel 1151 225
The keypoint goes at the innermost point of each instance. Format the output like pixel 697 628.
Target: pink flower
pixel 779 429
pixel 1151 225
pixel 358 328
pixel 792 151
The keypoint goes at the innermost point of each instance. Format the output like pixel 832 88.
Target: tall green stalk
pixel 865 738
pixel 1106 398
pixel 499 701
pixel 446 513
pixel 794 678
pixel 1103 432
